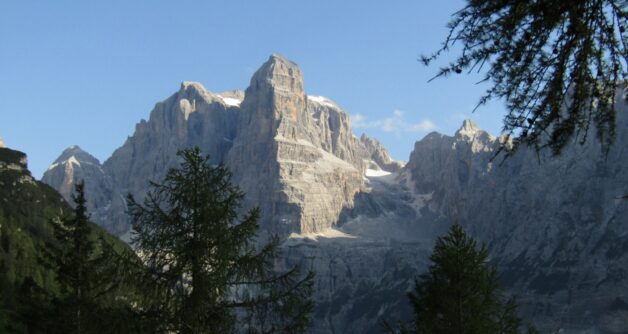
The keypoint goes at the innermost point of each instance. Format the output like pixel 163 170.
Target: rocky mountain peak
pixel 72 166
pixel 468 129
pixel 477 139
pixel 192 91
pixel 279 74
pixel 187 85
pixel 76 155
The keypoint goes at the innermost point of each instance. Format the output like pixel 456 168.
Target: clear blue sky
pixel 85 72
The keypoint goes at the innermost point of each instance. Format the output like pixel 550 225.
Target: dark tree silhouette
pixel 460 292
pixel 96 293
pixel 204 257
pixel 75 267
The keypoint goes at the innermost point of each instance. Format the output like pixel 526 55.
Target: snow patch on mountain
pixel 230 101
pixel 322 100
pixel 330 233
pixel 376 173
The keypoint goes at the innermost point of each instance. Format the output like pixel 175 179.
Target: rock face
pixel 379 154
pixel 285 158
pixel 294 156
pixel 556 226
pixel 75 165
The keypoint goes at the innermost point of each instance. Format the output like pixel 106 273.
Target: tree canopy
pixel 557 65
pixel 96 294
pixel 460 292
pixel 203 257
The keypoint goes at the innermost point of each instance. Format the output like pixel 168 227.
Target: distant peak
pixel 185 85
pixel 275 57
pixel 2 143
pixel 277 65
pixel 75 153
pixel 278 74
pixel 468 128
pixel 72 149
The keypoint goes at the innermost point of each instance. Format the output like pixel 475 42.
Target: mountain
pixel 379 154
pixel 555 226
pixel 74 165
pixel 293 155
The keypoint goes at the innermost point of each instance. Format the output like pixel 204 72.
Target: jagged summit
pixel 74 152
pixel 190 91
pixel 279 73
pixel 468 127
pixel 185 85
pixel 280 58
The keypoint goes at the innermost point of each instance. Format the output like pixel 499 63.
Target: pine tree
pixel 96 290
pixel 204 260
pixel 557 64
pixel 460 292
pixel 74 263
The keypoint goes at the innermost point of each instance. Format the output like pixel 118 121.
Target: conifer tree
pixel 203 257
pixel 557 64
pixel 460 292
pixel 75 268
pixel 96 292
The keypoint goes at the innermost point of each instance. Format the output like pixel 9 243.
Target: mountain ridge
pixel 272 135
pixel 554 229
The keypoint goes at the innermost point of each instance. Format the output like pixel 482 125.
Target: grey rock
pixel 379 154
pixel 281 158
pixel 75 165
pixel 555 225
pixel 294 158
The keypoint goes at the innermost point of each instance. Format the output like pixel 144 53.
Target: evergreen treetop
pixel 460 293
pixel 204 256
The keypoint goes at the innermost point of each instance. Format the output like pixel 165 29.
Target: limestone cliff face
pixel 293 156
pixel 555 225
pixel 379 154
pixel 444 168
pixel 191 117
pixel 281 158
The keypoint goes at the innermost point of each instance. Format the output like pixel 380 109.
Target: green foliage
pixel 91 274
pixel 557 64
pixel 205 272
pixel 75 263
pixel 460 292
pixel 37 277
